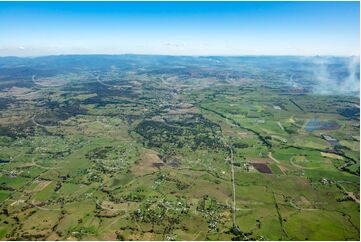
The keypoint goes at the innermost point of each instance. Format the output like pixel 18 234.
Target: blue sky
pixel 180 28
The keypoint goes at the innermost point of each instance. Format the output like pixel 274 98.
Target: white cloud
pixel 174 44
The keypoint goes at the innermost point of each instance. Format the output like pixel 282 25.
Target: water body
pixel 317 124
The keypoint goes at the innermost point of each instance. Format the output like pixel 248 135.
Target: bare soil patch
pixel 331 155
pixel 149 162
pixel 16 91
pixel 41 186
pixel 262 167
pixel 352 195
pixel 305 200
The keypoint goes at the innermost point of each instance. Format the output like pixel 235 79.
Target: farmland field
pixel 134 147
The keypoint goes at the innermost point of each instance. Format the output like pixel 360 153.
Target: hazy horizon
pixel 176 55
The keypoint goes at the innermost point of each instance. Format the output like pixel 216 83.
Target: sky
pixel 180 28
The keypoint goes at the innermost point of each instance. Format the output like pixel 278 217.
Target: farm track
pixel 233 187
pixel 302 209
pixel 272 158
pixel 44 167
pixel 281 126
pixel 239 209
pixel 230 161
pixel 302 167
pixel 27 94
pixel 37 124
pixel 41 208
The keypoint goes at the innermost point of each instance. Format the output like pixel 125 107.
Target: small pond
pixel 317 124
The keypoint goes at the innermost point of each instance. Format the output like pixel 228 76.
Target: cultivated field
pixel 175 148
